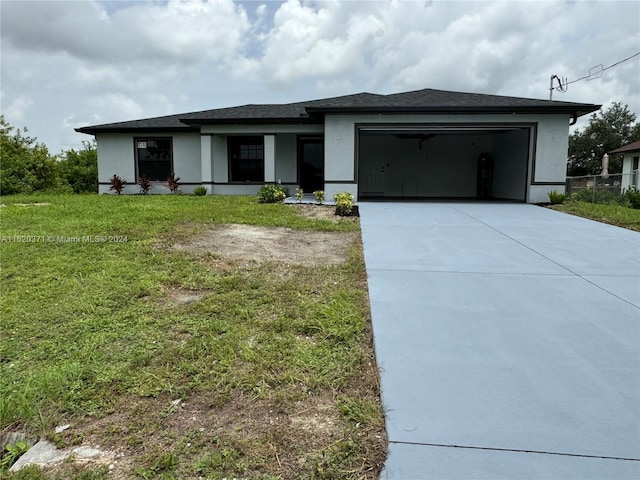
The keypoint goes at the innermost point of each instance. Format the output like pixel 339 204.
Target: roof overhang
pixel 577 109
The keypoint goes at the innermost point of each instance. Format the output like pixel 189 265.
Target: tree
pixel 606 131
pixel 80 168
pixel 25 164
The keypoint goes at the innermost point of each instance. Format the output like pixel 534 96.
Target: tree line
pixel 607 130
pixel 26 166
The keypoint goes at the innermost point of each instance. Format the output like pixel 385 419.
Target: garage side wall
pixel 549 171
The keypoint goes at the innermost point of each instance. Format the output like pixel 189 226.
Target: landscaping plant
pixel 299 194
pixel 173 183
pixel 272 193
pixel 556 197
pixel 117 184
pixel 344 204
pixel 319 196
pixel 145 184
pixel 200 191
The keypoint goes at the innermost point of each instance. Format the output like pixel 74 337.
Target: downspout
pixel 574 119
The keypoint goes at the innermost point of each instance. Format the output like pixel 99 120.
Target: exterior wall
pixel 286 158
pixel 627 171
pixel 116 153
pixel 116 156
pixel 280 154
pixel 547 170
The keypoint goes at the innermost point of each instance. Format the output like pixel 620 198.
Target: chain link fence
pixel 597 189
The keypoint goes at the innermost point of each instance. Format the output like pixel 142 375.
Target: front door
pixel 311 163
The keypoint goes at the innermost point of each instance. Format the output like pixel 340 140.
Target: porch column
pixel 205 161
pixel 270 158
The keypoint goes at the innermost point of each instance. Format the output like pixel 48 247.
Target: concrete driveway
pixel 508 338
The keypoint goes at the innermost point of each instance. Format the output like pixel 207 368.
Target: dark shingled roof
pixel 419 101
pixel 632 147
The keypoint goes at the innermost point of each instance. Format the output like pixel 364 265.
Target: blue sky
pixel 74 63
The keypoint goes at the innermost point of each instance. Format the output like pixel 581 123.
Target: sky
pixel 66 64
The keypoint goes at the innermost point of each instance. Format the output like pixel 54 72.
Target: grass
pixel 620 216
pixel 273 364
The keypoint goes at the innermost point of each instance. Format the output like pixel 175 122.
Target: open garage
pixel 478 161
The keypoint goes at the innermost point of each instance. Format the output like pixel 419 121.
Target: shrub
pixel 173 183
pixel 344 204
pixel 598 196
pixel 632 194
pixel 117 184
pixel 319 196
pixel 80 168
pixel 299 194
pixel 200 191
pixel 272 193
pixel 556 197
pixel 145 184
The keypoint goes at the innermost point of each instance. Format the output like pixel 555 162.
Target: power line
pixel 594 73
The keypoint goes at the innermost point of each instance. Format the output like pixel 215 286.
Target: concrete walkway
pixel 508 338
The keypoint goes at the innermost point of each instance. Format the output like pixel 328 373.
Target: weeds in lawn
pixel 618 215
pixel 273 364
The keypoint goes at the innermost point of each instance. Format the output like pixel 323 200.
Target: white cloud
pixel 17 109
pixel 67 63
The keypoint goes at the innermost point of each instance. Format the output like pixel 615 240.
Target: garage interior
pixel 481 162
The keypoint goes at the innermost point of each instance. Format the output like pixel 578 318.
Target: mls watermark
pixel 64 239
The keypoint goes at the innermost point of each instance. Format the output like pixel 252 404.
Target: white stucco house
pixel 419 144
pixel 630 164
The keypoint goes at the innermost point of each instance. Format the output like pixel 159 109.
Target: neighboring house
pixel 630 160
pixel 420 144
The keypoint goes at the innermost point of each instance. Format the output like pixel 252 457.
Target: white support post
pixel 269 158
pixel 205 160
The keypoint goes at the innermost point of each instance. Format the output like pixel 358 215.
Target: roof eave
pixel 247 121
pixel 107 129
pixel 578 109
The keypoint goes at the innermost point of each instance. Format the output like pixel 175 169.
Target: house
pixel 630 160
pixel 419 144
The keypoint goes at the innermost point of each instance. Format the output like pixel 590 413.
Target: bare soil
pixel 261 244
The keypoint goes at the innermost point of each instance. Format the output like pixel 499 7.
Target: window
pixel 153 156
pixel 246 159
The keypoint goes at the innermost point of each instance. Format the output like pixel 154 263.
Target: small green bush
pixel 319 196
pixel 556 197
pixel 344 204
pixel 272 193
pixel 299 194
pixel 632 195
pixel 200 191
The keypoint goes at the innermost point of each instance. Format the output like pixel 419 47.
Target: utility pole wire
pixel 562 87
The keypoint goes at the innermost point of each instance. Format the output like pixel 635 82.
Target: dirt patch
pixel 261 244
pixel 318 212
pixel 179 296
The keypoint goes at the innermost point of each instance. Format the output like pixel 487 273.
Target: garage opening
pixel 472 162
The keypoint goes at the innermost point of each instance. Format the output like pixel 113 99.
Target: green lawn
pixel 273 363
pixel 621 216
